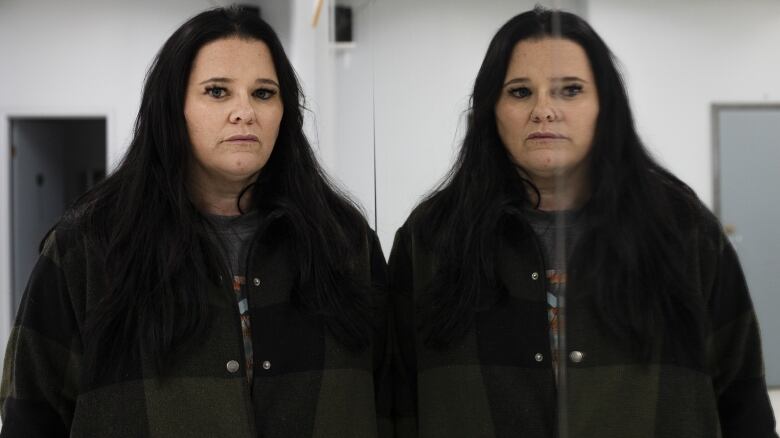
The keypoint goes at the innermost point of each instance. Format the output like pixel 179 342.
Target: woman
pixel 216 284
pixel 552 183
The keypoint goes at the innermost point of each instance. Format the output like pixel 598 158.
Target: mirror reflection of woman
pixel 553 192
pixel 216 284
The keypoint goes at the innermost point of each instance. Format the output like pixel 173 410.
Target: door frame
pixel 6 216
pixel 714 113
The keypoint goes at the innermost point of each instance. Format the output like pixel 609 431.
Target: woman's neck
pixel 560 193
pixel 220 198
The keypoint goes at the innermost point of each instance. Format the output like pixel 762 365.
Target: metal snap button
pixel 256 281
pixel 232 366
pixel 538 357
pixel 534 276
pixel 576 356
pixel 266 365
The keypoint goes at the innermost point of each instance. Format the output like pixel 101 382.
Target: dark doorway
pixel 53 162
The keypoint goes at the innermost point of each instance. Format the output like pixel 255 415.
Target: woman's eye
pixel 265 93
pixel 216 92
pixel 520 92
pixel 571 90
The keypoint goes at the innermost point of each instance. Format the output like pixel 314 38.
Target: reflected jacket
pixel 309 384
pixel 499 382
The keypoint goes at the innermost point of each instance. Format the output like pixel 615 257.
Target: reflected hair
pixel 631 240
pixel 155 243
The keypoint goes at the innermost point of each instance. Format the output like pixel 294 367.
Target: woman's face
pixel 233 110
pixel 546 114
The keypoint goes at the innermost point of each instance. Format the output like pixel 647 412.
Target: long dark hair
pixel 155 242
pixel 631 241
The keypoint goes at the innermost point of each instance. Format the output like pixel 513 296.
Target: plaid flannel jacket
pixel 499 382
pixel 305 385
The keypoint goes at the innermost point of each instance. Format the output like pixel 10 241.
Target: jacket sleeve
pixel 401 281
pixel 735 352
pixel 40 372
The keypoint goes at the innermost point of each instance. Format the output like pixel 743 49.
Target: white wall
pixel 679 57
pixel 353 109
pixel 337 84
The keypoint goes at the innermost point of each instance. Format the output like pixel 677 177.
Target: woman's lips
pixel 544 136
pixel 242 138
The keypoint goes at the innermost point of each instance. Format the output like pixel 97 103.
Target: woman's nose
pixel 242 112
pixel 543 110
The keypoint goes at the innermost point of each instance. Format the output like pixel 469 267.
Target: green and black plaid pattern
pixel 499 381
pixel 305 383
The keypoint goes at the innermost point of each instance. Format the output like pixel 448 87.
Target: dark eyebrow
pixel 569 79
pixel 267 81
pixel 516 81
pixel 228 80
pixel 216 80
pixel 561 79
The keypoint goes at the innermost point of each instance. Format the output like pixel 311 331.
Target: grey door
pixel 36 200
pixel 747 199
pixel 53 162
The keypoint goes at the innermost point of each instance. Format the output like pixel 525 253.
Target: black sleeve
pixel 43 354
pixel 735 347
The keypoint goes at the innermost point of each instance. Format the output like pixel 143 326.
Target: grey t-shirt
pixel 557 232
pixel 233 234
